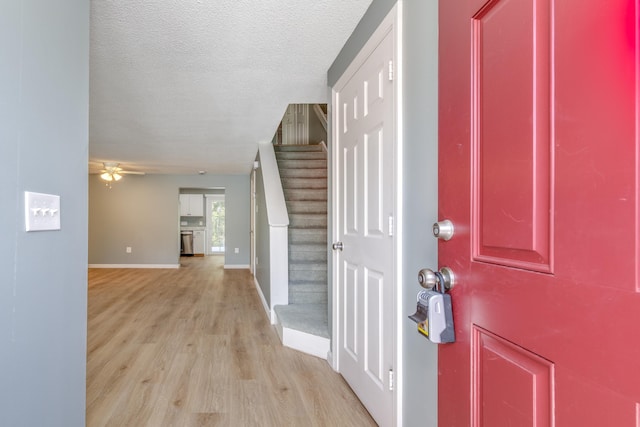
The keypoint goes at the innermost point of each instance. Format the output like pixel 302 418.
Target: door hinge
pixel 390 225
pixel 390 70
pixel 391 380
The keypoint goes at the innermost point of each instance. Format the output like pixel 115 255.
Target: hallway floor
pixel 193 347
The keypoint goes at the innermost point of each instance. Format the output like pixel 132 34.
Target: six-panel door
pixel 538 171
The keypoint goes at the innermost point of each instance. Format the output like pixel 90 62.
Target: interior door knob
pixel 337 246
pixel 443 229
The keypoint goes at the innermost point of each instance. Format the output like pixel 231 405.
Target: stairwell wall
pixel 263 254
pixel 272 221
pixel 317 132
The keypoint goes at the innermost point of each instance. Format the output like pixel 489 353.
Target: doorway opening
pixel 215 223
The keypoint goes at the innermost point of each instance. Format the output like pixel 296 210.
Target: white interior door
pixel 295 124
pixel 364 138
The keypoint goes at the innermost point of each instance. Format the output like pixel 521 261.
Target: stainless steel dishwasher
pixel 186 242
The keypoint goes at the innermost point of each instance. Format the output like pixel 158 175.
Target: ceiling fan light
pixel 117 176
pixel 106 176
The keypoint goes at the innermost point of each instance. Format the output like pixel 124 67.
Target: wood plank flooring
pixel 193 347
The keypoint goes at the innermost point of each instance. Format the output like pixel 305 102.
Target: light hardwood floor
pixel 193 347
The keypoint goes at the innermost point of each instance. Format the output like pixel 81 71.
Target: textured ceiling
pixel 178 86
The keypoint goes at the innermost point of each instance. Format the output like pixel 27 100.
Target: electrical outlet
pixel 237 250
pixel 128 249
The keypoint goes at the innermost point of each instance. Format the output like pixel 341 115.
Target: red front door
pixel 538 171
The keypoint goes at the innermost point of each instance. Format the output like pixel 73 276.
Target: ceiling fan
pixel 113 172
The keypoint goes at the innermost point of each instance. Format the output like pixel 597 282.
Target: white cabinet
pixel 198 242
pixel 191 205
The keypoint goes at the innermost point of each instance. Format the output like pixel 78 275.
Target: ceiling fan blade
pixel 131 172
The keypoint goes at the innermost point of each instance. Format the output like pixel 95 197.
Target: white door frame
pixel 392 22
pixel 252 231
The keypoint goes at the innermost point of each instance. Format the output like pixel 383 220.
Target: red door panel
pixel 510 134
pixel 538 171
pixel 516 386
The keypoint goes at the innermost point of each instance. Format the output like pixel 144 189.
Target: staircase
pixel 303 323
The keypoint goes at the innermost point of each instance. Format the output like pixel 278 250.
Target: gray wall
pixel 365 28
pixel 142 212
pixel 317 132
pixel 421 196
pixel 420 136
pixel 263 271
pixel 44 95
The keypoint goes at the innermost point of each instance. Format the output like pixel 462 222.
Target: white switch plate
pixel 237 250
pixel 41 211
pixel 128 249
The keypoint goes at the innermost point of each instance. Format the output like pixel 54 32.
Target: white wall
pixel 44 98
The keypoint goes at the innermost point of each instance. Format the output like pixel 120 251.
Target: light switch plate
pixel 41 211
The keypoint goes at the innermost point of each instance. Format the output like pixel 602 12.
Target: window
pixel 216 220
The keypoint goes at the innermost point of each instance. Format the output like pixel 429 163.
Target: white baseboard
pixel 236 266
pixel 264 301
pixel 302 341
pixel 306 343
pixel 134 265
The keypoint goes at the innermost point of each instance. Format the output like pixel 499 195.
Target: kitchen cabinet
pixel 198 242
pixel 191 205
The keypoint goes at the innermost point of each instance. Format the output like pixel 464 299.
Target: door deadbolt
pixel 443 229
